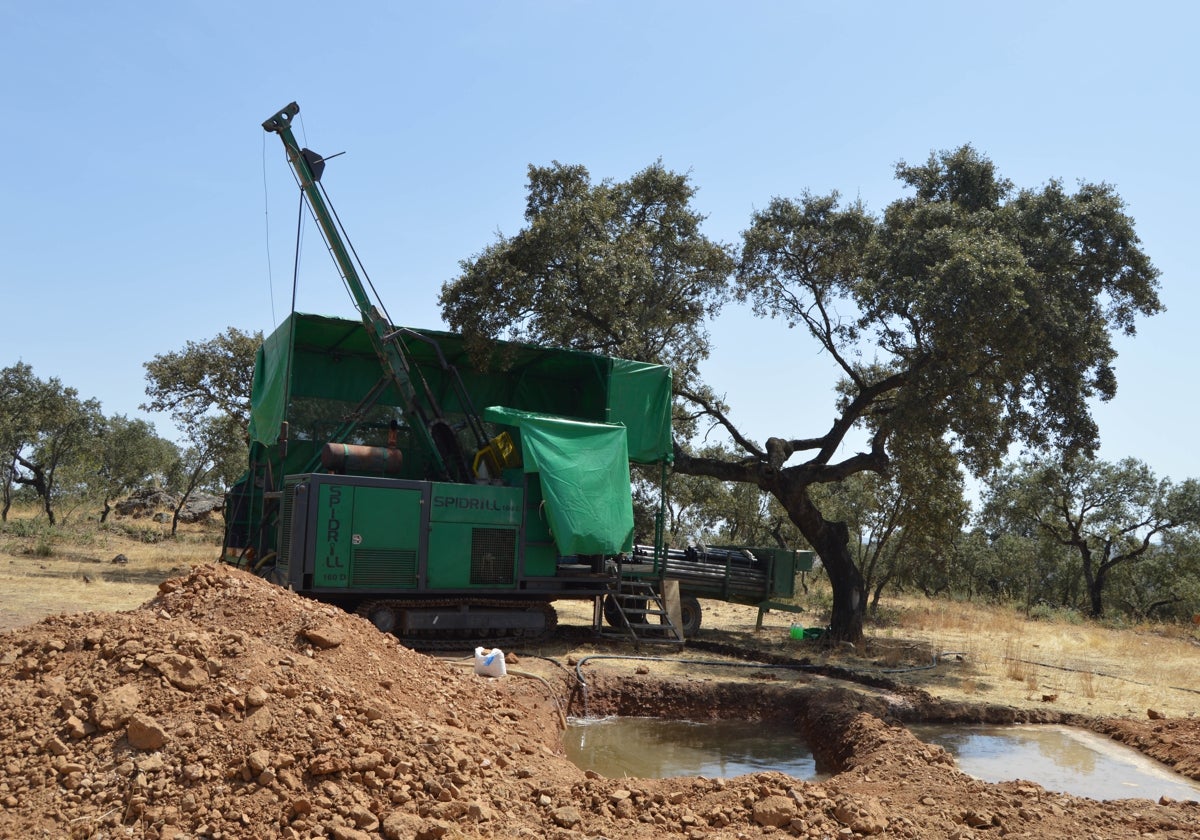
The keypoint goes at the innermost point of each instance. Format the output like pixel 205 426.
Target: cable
pixel 795 666
pixel 562 716
pixel 798 666
pixel 932 664
pixel 296 257
pixel 1096 673
pixel 350 245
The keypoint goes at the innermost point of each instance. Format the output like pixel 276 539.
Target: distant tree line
pixel 1103 539
pixel 61 451
pixel 1094 538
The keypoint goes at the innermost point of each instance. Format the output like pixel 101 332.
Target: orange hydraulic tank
pixel 352 458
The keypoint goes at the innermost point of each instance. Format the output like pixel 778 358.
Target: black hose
pixel 799 666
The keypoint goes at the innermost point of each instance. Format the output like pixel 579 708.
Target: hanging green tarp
pixel 639 397
pixel 584 472
pixel 268 392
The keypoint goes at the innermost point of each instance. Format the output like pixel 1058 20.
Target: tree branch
pixel 718 415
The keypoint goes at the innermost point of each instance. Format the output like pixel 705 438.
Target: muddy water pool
pixel 651 748
pixel 1058 758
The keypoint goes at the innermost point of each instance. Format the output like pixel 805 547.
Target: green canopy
pixel 584 471
pixel 313 368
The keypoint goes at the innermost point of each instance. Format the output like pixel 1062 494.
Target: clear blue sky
pixel 141 196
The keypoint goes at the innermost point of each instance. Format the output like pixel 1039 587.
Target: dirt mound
pixel 228 707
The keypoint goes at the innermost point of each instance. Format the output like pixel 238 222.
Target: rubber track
pixel 457 643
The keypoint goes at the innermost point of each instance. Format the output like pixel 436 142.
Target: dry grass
pixel 1081 666
pixel 983 653
pixel 70 568
pixel 1015 662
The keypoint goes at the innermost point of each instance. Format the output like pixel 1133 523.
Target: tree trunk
pixel 831 541
pixel 107 510
pixel 877 591
pixel 849 590
pixel 39 484
pixel 1096 593
pixel 1093 579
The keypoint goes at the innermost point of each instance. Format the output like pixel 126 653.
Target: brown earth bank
pixel 227 707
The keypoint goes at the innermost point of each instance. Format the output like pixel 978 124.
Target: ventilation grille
pixel 493 555
pixel 384 568
pixel 283 558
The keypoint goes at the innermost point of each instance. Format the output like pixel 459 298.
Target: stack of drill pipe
pixel 714 570
pixel 706 556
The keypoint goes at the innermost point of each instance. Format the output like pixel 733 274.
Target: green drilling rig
pixel 451 497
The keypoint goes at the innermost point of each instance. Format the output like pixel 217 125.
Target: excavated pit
pixel 1060 758
pixel 228 707
pixel 655 748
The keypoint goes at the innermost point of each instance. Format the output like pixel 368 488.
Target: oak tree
pixel 44 427
pixel 968 310
pixel 1105 515
pixel 130 455
pixel 206 376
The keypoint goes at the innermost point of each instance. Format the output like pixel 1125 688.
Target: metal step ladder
pixel 630 606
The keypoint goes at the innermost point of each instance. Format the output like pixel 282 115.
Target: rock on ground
pixel 199 507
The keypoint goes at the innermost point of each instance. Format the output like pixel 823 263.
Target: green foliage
pixel 206 388
pixel 130 455
pixel 1165 586
pixel 148 533
pixel 902 526
pixel 206 376
pixel 33 535
pixel 819 597
pixel 25 527
pixel 212 459
pixel 1058 614
pixel 989 310
pixel 61 448
pixel 968 311
pixel 46 431
pixel 618 268
pixel 1105 517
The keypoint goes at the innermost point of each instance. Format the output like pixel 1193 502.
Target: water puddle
pixel 1058 758
pixel 652 748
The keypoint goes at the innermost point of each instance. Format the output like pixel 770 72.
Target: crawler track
pixel 387 614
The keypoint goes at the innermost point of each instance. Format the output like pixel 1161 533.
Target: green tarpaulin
pixel 311 360
pixel 584 472
pixel 639 397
